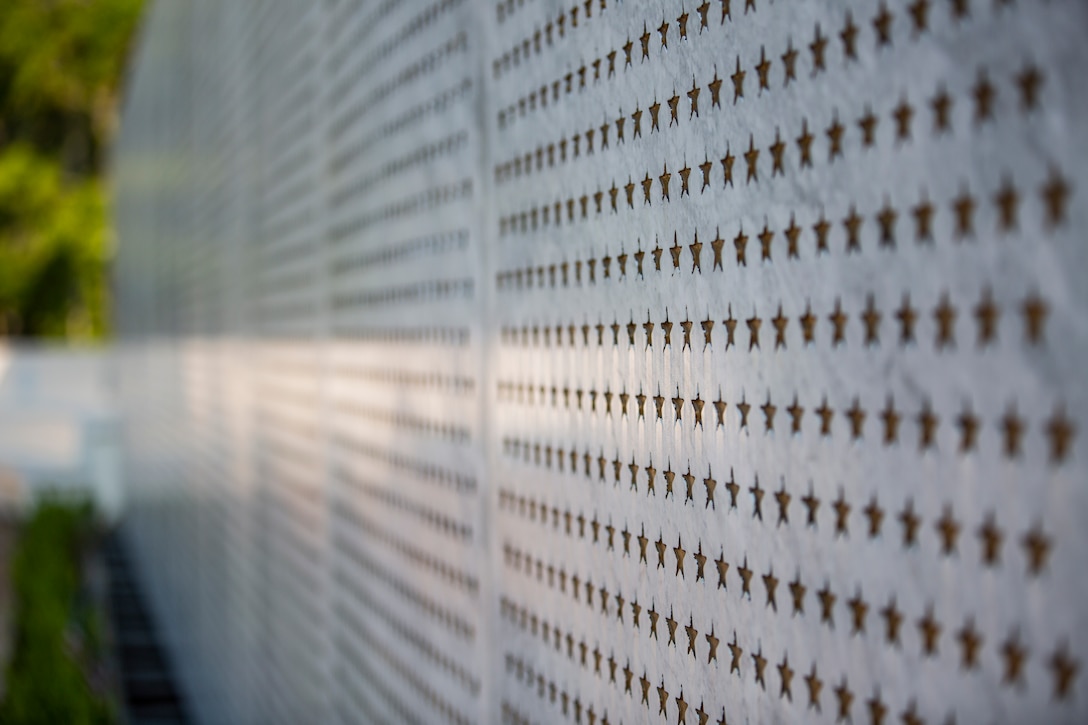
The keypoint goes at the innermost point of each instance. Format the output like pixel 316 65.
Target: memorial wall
pixel 610 361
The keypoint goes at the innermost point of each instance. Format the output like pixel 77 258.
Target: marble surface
pixel 611 361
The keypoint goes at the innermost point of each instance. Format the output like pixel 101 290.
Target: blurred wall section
pixel 59 428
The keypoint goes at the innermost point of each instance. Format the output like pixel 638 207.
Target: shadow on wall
pixel 58 426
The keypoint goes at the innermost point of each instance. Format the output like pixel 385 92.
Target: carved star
pixel 789 63
pixel 738 82
pixel 882 23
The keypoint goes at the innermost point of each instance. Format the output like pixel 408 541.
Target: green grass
pixel 57 632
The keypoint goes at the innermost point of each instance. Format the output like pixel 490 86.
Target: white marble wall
pixel 610 361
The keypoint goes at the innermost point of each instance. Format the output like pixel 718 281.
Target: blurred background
pixel 61 72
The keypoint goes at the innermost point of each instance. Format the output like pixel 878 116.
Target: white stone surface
pixel 362 356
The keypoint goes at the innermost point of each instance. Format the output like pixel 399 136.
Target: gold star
pixel 857 419
pixel 859 610
pixel 812 504
pixel 949 530
pixel 1029 80
pixel 777 149
pixel 745 578
pixel 738 82
pixel 770 583
pixel 877 709
pixel 723 569
pixel 751 158
pixel 987 315
pixel 991 538
pixel 923 220
pixel 984 93
pixel 797 592
pixel 1037 548
pixel 817 46
pixel 768 414
pixel 1061 431
pixel 825 413
pixel 970 641
pixel 727 166
pixel 804 144
pixel 910 522
pixel 834 136
pixel 740 243
pixel 789 62
pixel 808 325
pixel 1035 313
pixel 664 179
pixel 846 699
pixel 930 630
pixel 815 685
pixel 927 425
pixel 842 513
pixel 945 316
pixel 868 124
pixel 736 653
pixel 968 425
pixel 941 105
pixel 891 422
pixel 1006 200
pixel 780 322
pixel 1055 194
pixel 871 319
pixel 903 114
pixel 906 316
pixel 883 25
pixel 822 228
pixel 796 412
pixel 838 322
pixel 848 34
pixel 1014 656
pixel 1013 428
pixel 761 664
pixel 875 514
pixel 1064 668
pixel 919 11
pixel 703 10
pixel 910 715
pixel 763 69
pixel 674 107
pixel 785 676
pixel 852 223
pixel 964 208
pixel 887 217
pixel 757 499
pixel 892 620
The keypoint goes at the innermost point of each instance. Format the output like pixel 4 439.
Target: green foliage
pixel 45 683
pixel 60 66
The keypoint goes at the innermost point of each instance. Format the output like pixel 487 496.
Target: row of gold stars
pixel 1013 652
pixel 1037 546
pixel 1034 312
pixel 1029 82
pixel 1053 195
pixel 591 72
pixel 1058 428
